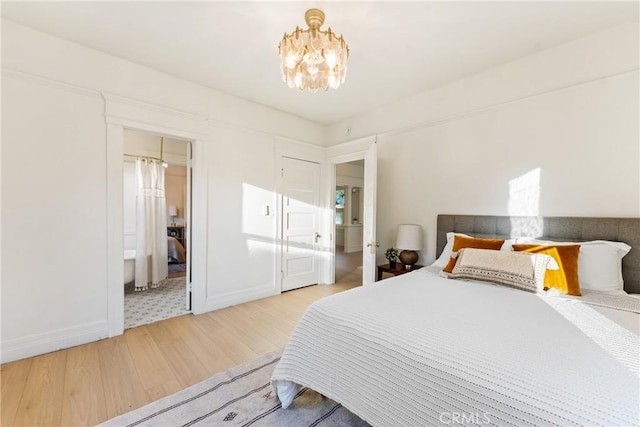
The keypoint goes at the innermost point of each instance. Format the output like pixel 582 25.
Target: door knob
pixel 316 236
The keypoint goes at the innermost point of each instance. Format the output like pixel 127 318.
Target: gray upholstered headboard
pixel 570 229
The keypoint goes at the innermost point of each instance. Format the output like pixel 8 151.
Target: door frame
pixel 124 113
pixel 337 154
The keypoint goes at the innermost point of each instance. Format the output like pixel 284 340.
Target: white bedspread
pixel 616 301
pixel 419 349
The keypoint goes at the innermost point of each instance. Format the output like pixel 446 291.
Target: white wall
pixel 174 151
pixel 53 218
pixel 175 183
pixel 44 55
pixel 569 115
pixel 351 173
pixel 240 237
pixel 54 186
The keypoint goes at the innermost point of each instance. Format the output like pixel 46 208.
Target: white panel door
pixel 369 227
pixel 300 223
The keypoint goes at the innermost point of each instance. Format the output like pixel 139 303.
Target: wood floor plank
pixel 162 332
pixel 121 384
pixel 183 361
pixel 240 327
pixel 283 323
pixel 41 403
pixel 262 318
pixel 209 353
pixel 235 349
pixel 162 390
pixel 14 378
pixel 150 364
pixel 83 399
pixel 267 324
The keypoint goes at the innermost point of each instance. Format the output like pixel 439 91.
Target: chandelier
pixel 312 58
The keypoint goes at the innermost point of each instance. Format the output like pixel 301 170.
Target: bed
pixel 175 250
pixel 420 349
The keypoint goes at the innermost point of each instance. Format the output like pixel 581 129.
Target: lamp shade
pixel 172 210
pixel 409 237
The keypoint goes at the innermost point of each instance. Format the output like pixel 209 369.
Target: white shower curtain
pixel 151 226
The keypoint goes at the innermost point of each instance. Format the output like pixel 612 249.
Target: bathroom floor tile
pixel 154 304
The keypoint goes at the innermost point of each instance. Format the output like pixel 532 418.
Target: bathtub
pixel 129 265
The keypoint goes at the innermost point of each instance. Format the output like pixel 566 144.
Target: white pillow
pixel 443 259
pixel 600 266
pixel 599 263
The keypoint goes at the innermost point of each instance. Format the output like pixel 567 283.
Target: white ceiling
pixel 397 48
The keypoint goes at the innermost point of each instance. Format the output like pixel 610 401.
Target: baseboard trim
pixel 228 299
pixel 36 344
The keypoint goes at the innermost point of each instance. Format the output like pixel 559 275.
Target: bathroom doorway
pixel 171 297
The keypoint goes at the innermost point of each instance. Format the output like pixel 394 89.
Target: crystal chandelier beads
pixel 313 59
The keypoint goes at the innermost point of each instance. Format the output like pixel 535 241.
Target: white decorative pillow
pixel 444 257
pixel 520 270
pixel 599 263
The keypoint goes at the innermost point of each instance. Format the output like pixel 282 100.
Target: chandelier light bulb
pixel 291 61
pixel 330 57
pixel 313 59
pixel 332 81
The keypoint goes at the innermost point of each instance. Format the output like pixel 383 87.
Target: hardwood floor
pixel 348 266
pixel 92 383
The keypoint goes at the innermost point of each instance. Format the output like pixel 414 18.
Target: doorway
pixel 364 154
pixel 172 297
pixel 348 221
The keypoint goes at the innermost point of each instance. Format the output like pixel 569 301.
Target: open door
pixel 370 244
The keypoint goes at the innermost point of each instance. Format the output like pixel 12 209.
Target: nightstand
pixel 177 232
pixel 395 271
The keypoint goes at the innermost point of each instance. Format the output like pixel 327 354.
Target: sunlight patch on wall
pixel 524 201
pixel 258 211
pixel 258 248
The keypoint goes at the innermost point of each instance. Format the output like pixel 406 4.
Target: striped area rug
pixel 241 396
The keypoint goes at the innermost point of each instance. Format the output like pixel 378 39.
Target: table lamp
pixel 409 239
pixel 173 213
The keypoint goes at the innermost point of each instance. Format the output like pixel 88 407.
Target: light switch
pixel 265 210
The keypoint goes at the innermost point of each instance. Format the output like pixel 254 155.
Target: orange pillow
pixel 565 279
pixel 461 242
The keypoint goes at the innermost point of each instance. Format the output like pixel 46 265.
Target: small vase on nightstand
pixel 392 264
